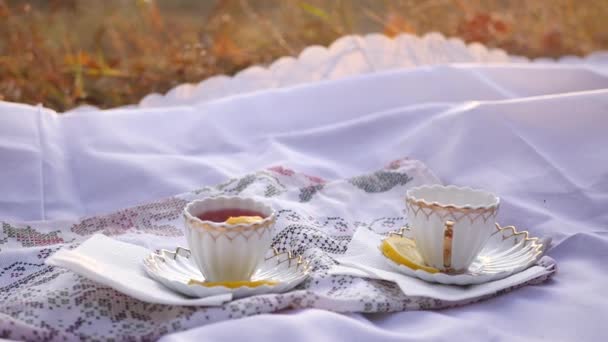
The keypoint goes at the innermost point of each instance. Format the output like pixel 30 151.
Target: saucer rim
pixel 470 278
pixel 305 270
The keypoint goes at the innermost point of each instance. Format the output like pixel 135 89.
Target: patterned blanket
pixel 315 218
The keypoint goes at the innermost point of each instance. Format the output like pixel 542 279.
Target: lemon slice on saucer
pixel 233 284
pixel 403 251
pixel 243 219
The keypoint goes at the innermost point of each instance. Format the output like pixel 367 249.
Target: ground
pixel 63 53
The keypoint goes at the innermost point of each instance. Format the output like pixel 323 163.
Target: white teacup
pixel 228 252
pixel 450 224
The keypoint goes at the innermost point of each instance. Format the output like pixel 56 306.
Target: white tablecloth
pixel 535 134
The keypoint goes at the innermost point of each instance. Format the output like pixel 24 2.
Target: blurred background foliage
pixel 63 53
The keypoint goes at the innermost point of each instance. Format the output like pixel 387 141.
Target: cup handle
pixel 448 235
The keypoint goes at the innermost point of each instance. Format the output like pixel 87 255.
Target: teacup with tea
pixel 228 236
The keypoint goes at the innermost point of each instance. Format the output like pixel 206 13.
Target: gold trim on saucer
pixel 534 241
pixel 298 259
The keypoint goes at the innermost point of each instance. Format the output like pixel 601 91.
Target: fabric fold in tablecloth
pixel 65 167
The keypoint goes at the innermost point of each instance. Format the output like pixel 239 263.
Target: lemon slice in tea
pixel 243 219
pixel 403 251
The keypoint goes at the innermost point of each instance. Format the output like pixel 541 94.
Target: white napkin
pixel 363 259
pixel 119 265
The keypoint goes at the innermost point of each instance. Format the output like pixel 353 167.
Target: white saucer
pixel 176 269
pixel 506 252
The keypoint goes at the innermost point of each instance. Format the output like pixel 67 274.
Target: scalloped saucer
pixel 176 269
pixel 507 252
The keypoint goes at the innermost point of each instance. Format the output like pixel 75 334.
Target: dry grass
pixel 111 53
